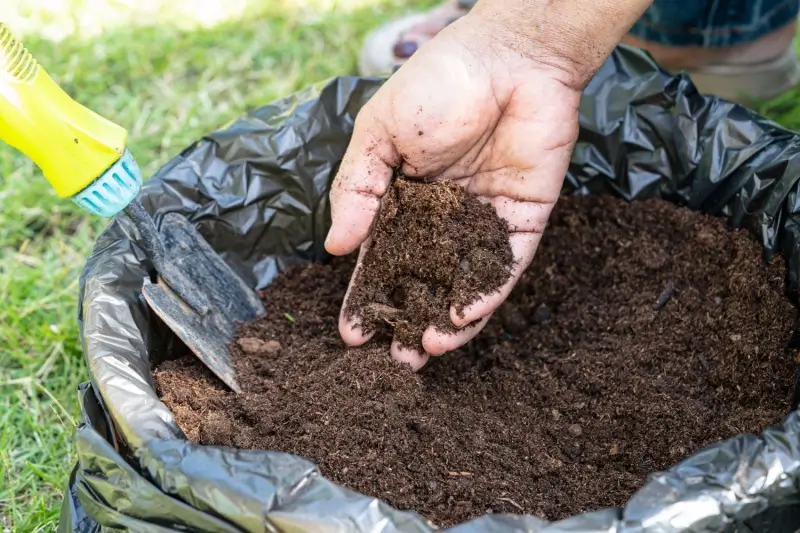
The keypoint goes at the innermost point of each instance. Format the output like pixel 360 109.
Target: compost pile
pixel 640 333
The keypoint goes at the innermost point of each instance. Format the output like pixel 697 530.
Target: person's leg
pixel 737 49
pixel 732 48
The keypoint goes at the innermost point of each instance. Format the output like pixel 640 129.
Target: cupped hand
pixel 468 107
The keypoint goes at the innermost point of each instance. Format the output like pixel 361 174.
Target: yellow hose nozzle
pixel 80 153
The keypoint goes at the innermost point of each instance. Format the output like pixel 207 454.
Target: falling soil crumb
pixel 433 246
pixel 578 387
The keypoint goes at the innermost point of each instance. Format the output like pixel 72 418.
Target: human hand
pixel 468 107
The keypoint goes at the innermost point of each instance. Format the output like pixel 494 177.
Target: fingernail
pixel 405 49
pixel 456 319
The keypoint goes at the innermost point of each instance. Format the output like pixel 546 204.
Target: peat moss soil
pixel 640 333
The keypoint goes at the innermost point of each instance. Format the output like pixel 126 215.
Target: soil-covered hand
pixel 469 106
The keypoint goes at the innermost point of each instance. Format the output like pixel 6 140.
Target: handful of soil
pixel 434 245
pixel 639 334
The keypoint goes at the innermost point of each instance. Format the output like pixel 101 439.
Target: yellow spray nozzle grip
pixel 71 144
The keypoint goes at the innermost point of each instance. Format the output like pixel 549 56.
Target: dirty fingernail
pixel 405 49
pixel 353 335
pixel 412 358
pixel 433 341
pixel 458 320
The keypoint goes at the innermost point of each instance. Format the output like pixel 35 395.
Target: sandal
pixel 385 48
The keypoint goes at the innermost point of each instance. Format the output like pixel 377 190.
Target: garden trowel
pixel 199 297
pixel 85 157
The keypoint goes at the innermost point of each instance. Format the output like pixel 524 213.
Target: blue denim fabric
pixel 713 23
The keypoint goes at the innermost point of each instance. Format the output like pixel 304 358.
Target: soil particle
pixel 541 315
pixel 259 346
pixel 665 296
pixel 575 430
pixel 567 415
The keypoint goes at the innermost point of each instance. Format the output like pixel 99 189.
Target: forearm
pixel 575 36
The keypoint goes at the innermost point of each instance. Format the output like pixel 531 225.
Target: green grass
pixel 168 84
pixel 169 74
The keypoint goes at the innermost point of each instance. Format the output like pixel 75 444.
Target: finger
pixel 351 334
pixel 437 342
pixel 412 358
pixel 523 247
pixel 360 183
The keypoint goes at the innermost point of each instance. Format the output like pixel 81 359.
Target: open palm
pixel 470 109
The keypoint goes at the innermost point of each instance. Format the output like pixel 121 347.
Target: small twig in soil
pixel 386 313
pixel 704 363
pixel 460 474
pixel 665 296
pixel 512 502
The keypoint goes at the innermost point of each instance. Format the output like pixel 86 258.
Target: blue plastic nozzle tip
pixel 114 190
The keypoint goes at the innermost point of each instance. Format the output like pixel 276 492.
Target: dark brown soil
pixel 433 246
pixel 638 335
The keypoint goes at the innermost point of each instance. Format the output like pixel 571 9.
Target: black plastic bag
pixel 257 191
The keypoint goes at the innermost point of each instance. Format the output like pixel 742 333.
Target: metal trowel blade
pixel 200 298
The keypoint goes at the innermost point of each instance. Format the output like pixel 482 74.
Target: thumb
pixel 362 180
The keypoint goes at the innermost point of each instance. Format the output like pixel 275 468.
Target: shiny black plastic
pixel 257 191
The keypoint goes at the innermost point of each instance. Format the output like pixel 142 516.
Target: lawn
pixel 169 83
pixel 169 72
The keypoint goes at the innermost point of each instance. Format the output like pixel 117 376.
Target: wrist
pixel 572 37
